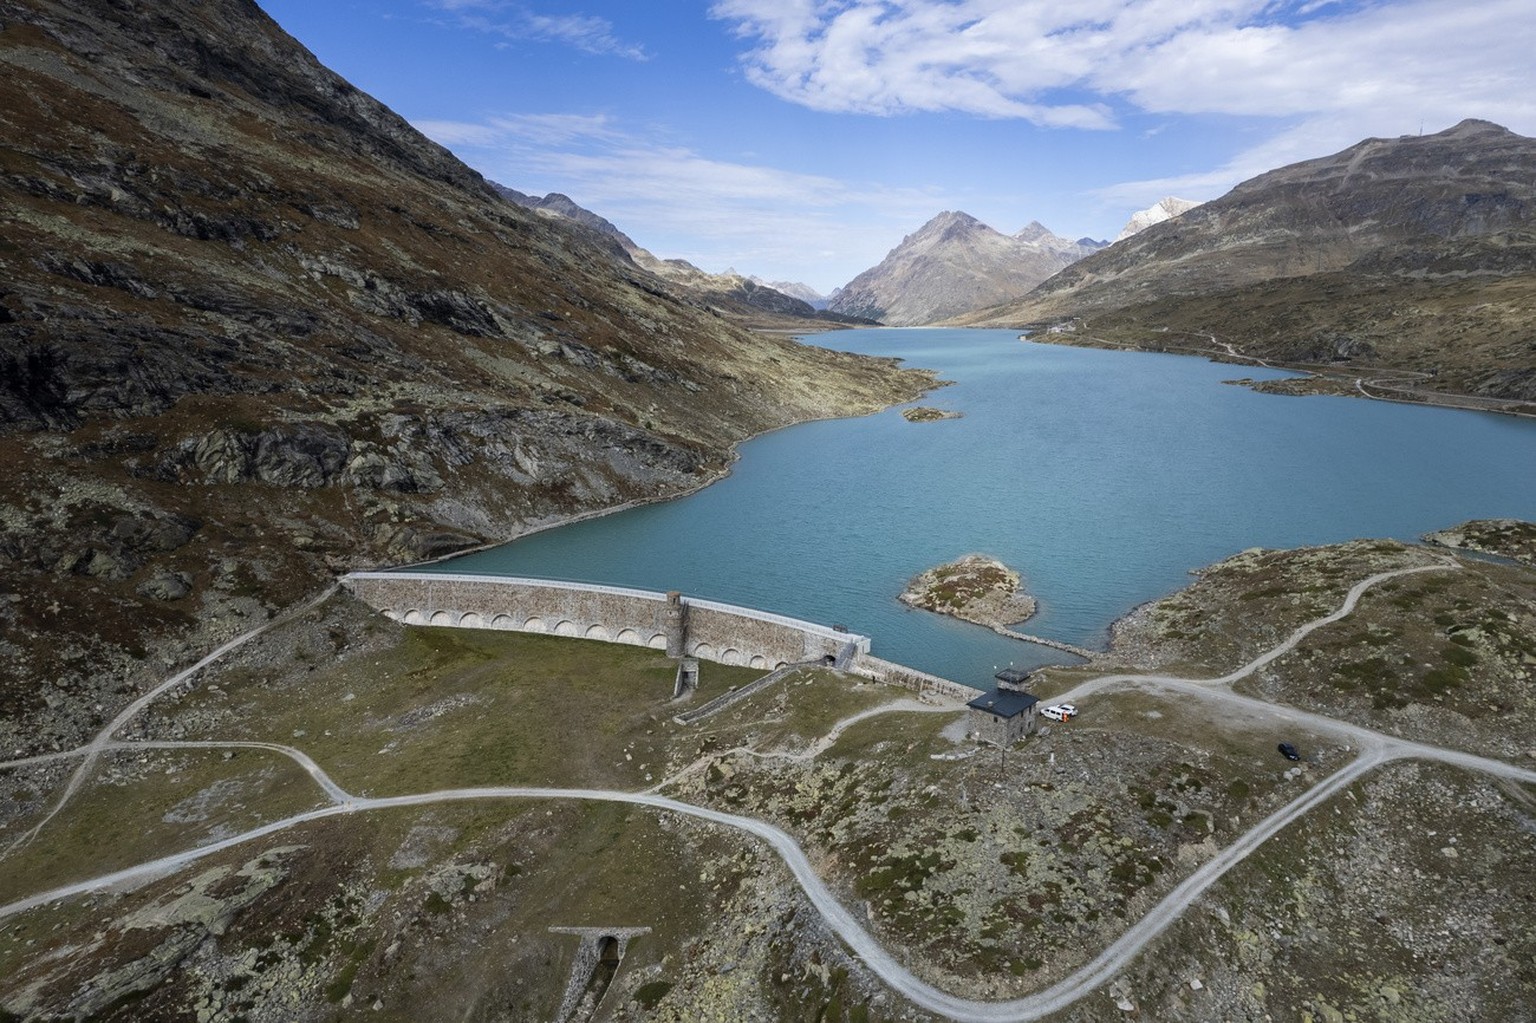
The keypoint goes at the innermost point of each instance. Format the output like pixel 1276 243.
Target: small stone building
pixel 1002 717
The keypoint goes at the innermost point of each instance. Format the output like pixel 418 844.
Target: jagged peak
pixel 1033 232
pixel 947 226
pixel 948 217
pixel 950 221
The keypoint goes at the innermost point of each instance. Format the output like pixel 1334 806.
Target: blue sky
pixel 802 139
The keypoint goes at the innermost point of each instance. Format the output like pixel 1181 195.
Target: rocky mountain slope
pixel 1415 253
pixel 746 299
pixel 254 328
pixel 1164 209
pixel 955 264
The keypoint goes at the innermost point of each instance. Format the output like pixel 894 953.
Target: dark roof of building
pixel 1013 675
pixel 1004 704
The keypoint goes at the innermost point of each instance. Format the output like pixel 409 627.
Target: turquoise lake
pixel 1103 476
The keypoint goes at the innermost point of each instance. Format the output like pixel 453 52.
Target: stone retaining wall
pixel 891 673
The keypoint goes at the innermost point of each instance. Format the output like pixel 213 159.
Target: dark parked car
pixel 1288 751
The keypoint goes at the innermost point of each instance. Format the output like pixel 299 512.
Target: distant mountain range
pixel 750 300
pixel 1415 253
pixel 956 264
pixel 795 289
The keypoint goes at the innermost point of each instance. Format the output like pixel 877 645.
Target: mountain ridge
pixel 955 264
pixel 1416 253
pixel 748 299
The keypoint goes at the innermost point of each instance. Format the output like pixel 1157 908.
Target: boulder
pixel 165 585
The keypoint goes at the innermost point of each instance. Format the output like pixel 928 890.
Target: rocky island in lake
pixel 928 414
pixel 975 588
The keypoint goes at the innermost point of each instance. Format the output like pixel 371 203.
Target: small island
pixel 928 414
pixel 975 588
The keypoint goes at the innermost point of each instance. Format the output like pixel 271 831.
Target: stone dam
pixel 670 622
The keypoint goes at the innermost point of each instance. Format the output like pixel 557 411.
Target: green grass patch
pixel 1459 656
pixel 176 801
pixel 650 995
pixel 460 707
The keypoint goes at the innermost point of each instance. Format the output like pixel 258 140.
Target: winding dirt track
pixel 104 738
pixel 1376 749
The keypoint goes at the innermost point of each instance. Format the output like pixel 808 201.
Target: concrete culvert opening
pixel 606 968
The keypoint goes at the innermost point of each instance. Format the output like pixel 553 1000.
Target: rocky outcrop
pixel 955 264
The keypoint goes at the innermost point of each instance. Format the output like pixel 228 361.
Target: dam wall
pixel 680 626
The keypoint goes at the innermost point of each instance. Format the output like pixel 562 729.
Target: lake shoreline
pixel 1313 379
pixel 708 480
pixel 1107 475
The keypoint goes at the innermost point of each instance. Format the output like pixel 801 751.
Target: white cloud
pixel 457 133
pixel 1429 58
pixel 1069 62
pixel 518 22
pixel 1309 76
pixel 558 129
pixel 679 203
pixel 994 58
